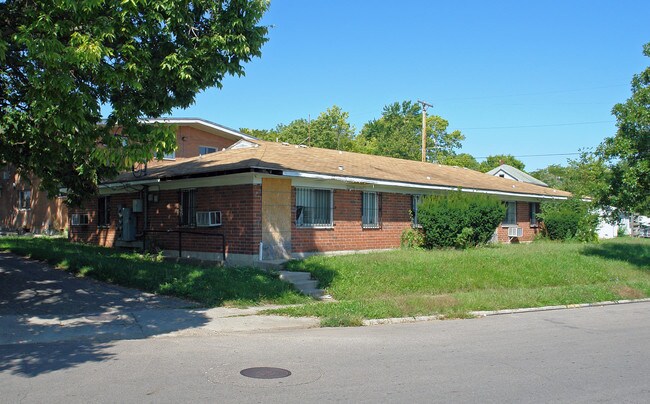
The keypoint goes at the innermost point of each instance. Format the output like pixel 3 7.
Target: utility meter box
pixel 137 206
pixel 128 224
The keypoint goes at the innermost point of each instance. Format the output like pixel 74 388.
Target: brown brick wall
pixel 189 139
pixel 347 232
pixel 43 215
pixel 240 208
pixel 523 221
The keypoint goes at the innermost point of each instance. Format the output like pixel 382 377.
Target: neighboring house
pixel 512 173
pixel 24 208
pixel 261 200
pixel 607 229
pixel 640 226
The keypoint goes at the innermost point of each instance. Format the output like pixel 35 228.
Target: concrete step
pixel 294 276
pixel 305 284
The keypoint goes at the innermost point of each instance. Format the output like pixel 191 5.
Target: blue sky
pixel 516 77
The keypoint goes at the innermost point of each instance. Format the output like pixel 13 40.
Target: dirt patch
pixel 627 292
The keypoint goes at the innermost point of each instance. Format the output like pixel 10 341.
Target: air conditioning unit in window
pixel 515 232
pixel 208 219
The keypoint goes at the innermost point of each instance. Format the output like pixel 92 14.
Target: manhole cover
pixel 265 373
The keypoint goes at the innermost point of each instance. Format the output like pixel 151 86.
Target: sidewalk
pixel 114 324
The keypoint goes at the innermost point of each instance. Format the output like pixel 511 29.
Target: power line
pixel 534 93
pixel 538 125
pixel 537 155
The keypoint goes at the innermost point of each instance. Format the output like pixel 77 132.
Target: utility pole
pixel 424 129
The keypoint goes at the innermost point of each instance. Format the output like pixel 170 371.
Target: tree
pixel 60 62
pixel 555 176
pixel 460 160
pixel 582 177
pixel 330 130
pixel 498 159
pixel 398 133
pixel 628 152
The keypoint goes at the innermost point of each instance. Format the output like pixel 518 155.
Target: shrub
pixel 568 220
pixel 412 238
pixel 459 219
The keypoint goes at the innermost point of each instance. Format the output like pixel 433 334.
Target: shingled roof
pixel 301 161
pixel 517 174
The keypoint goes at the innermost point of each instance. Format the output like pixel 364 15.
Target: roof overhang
pixel 415 186
pixel 203 125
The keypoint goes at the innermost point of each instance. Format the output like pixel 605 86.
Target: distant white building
pixel 606 229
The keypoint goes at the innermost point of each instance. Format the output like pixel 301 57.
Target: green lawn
pixel 208 285
pixel 455 282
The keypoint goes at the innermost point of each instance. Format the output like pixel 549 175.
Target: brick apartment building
pixel 254 200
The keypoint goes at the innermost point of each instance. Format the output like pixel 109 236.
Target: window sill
pixel 315 227
pixel 370 226
pixel 506 226
pixel 104 226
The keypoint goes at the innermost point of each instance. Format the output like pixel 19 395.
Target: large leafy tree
pixel 330 130
pixel 496 160
pixel 60 61
pixel 398 133
pixel 582 177
pixel 461 160
pixel 628 152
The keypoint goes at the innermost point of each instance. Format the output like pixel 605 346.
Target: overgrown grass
pixel 208 285
pixel 453 283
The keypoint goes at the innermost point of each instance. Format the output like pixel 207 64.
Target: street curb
pixel 550 308
pixel 479 314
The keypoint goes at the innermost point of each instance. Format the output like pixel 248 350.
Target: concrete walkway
pixel 40 304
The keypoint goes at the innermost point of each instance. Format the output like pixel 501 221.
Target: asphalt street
pixel 595 354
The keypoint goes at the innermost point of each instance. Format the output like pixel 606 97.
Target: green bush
pixel 459 219
pixel 568 220
pixel 412 238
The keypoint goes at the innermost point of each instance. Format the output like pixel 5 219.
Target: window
pixel 534 210
pixel 25 199
pixel 79 219
pixel 208 219
pixel 206 150
pixel 511 214
pixel 415 200
pixel 313 207
pixel 188 207
pixel 370 209
pixel 104 211
pixel 170 156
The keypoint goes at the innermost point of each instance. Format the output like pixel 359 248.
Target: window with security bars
pixel 25 199
pixel 188 207
pixel 534 210
pixel 370 210
pixel 511 214
pixel 314 207
pixel 415 200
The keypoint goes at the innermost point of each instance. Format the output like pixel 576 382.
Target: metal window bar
pixel 511 213
pixel 313 207
pixel 370 209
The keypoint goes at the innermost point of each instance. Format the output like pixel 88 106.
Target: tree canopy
pixel 398 133
pixel 330 130
pixel 498 159
pixel 460 160
pixel 60 62
pixel 628 152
